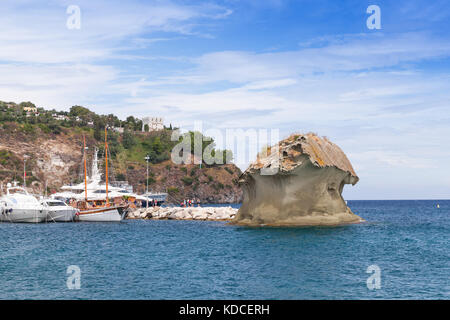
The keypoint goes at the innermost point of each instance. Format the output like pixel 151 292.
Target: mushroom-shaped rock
pixel 299 184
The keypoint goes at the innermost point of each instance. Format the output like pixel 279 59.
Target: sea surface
pixel 407 241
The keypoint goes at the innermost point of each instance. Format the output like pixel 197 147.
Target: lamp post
pixel 24 171
pixel 147 158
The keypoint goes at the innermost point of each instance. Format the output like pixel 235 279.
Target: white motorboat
pixel 19 206
pixel 58 211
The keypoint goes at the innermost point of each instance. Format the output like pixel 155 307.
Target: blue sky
pixel 382 95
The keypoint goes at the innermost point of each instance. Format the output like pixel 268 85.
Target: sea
pixel 402 251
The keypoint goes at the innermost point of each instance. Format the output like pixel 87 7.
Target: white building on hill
pixel 154 124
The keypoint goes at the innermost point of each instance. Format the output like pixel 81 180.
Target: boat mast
pixel 106 171
pixel 85 173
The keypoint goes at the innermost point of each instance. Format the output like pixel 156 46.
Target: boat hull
pixel 100 215
pixel 60 215
pixel 24 215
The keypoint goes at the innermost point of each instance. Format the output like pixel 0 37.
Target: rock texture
pixel 300 185
pixel 178 213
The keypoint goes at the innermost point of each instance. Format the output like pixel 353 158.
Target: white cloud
pixel 34 33
pixel 43 61
pixel 351 53
pixel 366 92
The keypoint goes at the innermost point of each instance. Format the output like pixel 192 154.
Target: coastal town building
pixel 60 117
pixel 30 109
pixel 154 123
pixel 118 129
pixel 29 114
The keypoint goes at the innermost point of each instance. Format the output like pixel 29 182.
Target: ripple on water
pixel 135 259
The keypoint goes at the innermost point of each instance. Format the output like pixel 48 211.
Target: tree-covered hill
pixel 51 143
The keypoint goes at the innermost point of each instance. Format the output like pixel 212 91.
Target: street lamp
pixel 147 158
pixel 24 171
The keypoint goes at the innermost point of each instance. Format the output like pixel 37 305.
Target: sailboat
pixel 99 210
pixel 96 190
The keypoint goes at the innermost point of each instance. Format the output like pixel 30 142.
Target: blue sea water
pixel 136 259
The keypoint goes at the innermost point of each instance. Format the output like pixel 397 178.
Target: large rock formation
pixel 299 185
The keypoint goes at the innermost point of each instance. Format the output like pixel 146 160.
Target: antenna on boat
pixel 85 174
pixel 147 158
pixel 106 162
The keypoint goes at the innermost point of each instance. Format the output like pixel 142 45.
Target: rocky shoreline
pixel 189 213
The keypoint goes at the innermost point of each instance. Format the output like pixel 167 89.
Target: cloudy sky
pixel 308 65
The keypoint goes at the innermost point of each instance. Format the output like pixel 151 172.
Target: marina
pixel 90 201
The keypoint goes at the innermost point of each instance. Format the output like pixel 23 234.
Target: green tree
pixel 79 111
pixel 157 146
pixel 129 141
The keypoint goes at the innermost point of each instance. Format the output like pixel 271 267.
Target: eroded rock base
pixel 303 221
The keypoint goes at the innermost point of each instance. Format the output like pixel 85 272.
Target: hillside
pixel 52 146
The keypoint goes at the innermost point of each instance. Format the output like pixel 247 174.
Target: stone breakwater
pixel 190 213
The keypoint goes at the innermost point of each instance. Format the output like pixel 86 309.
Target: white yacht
pixel 19 206
pixel 94 190
pixel 58 211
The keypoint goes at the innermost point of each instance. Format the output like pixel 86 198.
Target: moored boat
pixel 99 211
pixel 100 214
pixel 19 206
pixel 58 211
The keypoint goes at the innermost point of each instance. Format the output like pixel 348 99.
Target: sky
pixel 382 95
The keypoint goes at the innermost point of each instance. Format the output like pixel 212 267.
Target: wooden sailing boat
pixel 94 210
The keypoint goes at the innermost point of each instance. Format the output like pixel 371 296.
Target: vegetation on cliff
pixel 51 143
